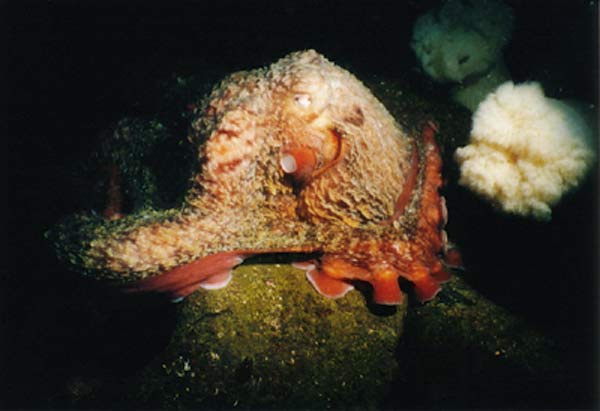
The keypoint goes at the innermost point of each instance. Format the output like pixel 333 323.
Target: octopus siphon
pixel 297 158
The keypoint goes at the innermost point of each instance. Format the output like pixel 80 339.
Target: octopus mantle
pixel 298 157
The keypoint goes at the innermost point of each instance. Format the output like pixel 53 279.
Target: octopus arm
pixel 326 285
pixel 211 272
pixel 330 278
pixel 386 290
pixel 429 272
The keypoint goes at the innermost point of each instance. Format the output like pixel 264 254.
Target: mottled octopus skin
pixel 298 157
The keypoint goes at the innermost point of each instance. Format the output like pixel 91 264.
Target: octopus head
pixel 311 143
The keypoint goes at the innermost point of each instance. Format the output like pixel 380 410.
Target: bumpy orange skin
pixel 298 157
pixel 418 258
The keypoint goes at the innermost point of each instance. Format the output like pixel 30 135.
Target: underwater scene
pixel 301 205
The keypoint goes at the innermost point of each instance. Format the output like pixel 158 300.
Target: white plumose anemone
pixel 526 150
pixel 461 42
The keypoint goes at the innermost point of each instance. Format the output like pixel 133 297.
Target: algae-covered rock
pixel 468 319
pixel 463 350
pixel 269 340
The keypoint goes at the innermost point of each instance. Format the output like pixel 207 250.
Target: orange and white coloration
pixel 298 157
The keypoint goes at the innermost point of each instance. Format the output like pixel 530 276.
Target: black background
pixel 72 67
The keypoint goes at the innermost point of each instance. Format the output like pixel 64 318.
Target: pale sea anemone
pixel 461 42
pixel 526 150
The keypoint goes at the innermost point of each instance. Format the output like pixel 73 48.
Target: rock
pixel 268 340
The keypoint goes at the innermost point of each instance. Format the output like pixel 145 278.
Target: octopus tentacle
pixel 386 290
pixel 211 272
pixel 327 285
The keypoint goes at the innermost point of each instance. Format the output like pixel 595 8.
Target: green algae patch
pixel 269 340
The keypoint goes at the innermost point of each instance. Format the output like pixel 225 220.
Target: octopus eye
pixel 303 100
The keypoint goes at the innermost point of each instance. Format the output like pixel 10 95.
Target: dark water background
pixel 72 67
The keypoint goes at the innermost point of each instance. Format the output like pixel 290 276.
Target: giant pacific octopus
pixel 299 157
